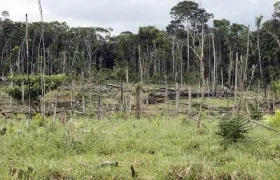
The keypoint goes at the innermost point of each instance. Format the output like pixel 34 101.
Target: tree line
pixel 188 51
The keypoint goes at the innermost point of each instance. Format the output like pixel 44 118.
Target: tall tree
pixel 192 16
pixel 258 25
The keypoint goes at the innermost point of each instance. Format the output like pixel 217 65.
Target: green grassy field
pixel 157 147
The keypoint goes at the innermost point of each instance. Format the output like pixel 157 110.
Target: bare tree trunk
pixel 84 105
pixel 202 59
pixel 99 103
pixel 44 60
pixel 128 104
pixel 121 95
pixel 166 92
pixel 155 59
pixel 190 99
pixel 11 71
pixel 259 53
pixel 177 99
pixel 210 74
pixel 214 73
pixel 22 92
pixel 240 74
pixel 140 65
pixel 72 97
pixel 54 111
pixel 181 58
pixel 173 56
pixel 236 78
pixel 138 101
pixel 230 65
pixel 188 43
pixel 245 77
pixel 222 77
pixel 64 62
pixel 28 80
pixel 258 98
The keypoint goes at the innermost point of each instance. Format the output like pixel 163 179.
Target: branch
pixel 195 52
pixel 273 35
pixel 259 124
pixel 197 121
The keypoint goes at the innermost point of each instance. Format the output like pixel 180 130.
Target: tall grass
pixel 158 148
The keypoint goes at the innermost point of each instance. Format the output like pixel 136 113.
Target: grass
pixel 158 148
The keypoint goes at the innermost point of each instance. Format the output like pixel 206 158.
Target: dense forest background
pixel 188 51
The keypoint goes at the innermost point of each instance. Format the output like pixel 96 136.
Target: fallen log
pixel 154 96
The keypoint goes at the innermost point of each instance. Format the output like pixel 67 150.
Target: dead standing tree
pixel 138 101
pixel 194 18
pixel 28 80
pixel 43 85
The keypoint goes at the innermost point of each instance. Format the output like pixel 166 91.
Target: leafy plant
pixel 272 120
pixel 21 82
pixel 256 114
pixel 233 128
pixel 276 87
pixel 38 120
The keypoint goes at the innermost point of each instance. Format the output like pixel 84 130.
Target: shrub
pixel 51 83
pixel 38 120
pixel 233 128
pixel 256 114
pixel 276 88
pixel 272 120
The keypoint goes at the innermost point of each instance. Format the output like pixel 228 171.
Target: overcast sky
pixel 122 15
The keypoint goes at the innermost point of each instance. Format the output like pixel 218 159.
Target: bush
pixel 51 83
pixel 38 120
pixel 256 114
pixel 276 88
pixel 233 128
pixel 272 120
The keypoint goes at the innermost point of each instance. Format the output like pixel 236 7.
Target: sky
pixel 129 15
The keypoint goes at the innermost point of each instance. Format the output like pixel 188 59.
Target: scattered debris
pixel 109 163
pixel 19 131
pixel 21 174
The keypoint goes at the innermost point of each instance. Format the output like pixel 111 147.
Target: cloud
pixel 255 1
pixel 125 15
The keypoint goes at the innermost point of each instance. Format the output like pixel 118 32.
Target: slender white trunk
pixel 245 77
pixel 236 81
pixel 214 71
pixel 140 64
pixel 177 99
